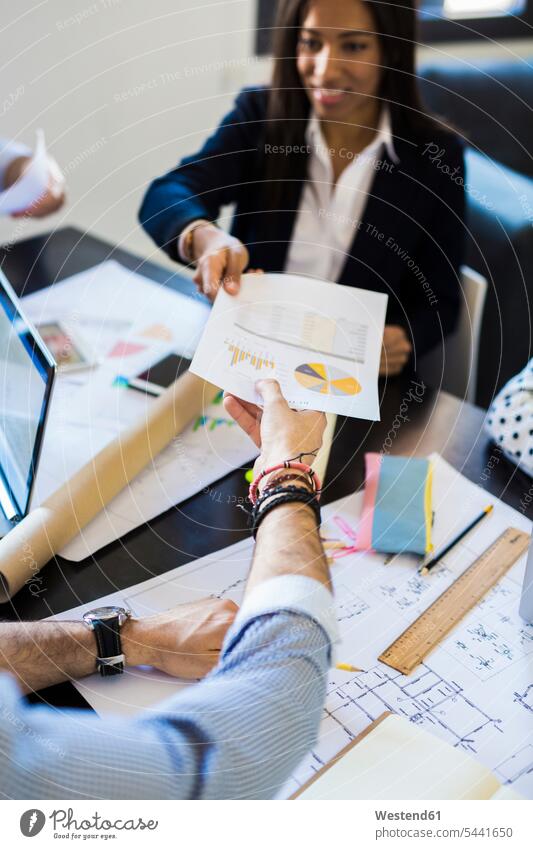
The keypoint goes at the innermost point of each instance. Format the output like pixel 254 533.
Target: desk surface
pixel 209 521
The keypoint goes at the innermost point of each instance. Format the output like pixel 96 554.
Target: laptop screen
pixel 26 376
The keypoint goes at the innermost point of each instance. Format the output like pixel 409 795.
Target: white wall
pixel 123 88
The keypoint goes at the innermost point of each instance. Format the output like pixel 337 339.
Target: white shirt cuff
pixel 293 593
pixel 183 236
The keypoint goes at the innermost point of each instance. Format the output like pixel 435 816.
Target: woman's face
pixel 339 58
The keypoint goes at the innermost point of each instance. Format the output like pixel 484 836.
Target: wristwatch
pixel 106 623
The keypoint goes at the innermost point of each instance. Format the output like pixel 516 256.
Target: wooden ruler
pixel 437 621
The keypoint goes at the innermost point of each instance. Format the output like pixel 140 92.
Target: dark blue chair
pixel 491 105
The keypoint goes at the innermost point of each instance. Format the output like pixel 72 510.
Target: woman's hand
pixel 280 433
pixel 184 642
pixel 395 352
pixel 52 198
pixel 220 259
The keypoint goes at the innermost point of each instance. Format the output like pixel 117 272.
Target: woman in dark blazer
pixel 334 170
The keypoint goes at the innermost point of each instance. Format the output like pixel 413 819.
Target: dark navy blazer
pixel 409 243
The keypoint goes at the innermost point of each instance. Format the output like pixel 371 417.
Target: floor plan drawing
pixel 474 691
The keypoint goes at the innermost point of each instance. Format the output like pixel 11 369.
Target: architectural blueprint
pixel 475 690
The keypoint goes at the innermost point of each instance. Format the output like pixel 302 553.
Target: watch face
pixel 103 613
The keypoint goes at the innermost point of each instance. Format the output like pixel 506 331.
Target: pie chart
pixel 326 380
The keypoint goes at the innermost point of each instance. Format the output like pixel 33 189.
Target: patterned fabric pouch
pixel 397 505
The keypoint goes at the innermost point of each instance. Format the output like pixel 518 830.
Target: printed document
pixel 321 342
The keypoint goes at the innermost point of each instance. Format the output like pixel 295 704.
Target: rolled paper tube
pixel 48 528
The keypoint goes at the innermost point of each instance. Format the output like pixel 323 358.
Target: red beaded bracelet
pixel 287 464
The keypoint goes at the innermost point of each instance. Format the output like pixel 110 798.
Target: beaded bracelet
pixel 277 481
pixel 303 497
pixel 287 464
pixel 278 490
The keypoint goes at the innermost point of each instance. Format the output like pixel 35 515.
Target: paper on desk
pixel 130 322
pixel 321 342
pixel 31 185
pixel 474 691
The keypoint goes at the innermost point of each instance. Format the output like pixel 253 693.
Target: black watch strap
pixel 110 660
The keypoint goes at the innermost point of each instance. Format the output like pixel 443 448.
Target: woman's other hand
pixel 395 352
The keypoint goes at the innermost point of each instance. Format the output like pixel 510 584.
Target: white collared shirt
pixel 330 214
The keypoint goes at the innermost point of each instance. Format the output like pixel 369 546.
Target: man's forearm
pixel 238 733
pixel 288 543
pixel 40 654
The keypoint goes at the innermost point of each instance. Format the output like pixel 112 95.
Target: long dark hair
pixel 288 104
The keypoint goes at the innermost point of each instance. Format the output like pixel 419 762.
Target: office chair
pixel 456 371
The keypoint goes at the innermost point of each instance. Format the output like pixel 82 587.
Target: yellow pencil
pixel 347 667
pixel 333 544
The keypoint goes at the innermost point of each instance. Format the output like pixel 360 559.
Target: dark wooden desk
pixel 415 420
